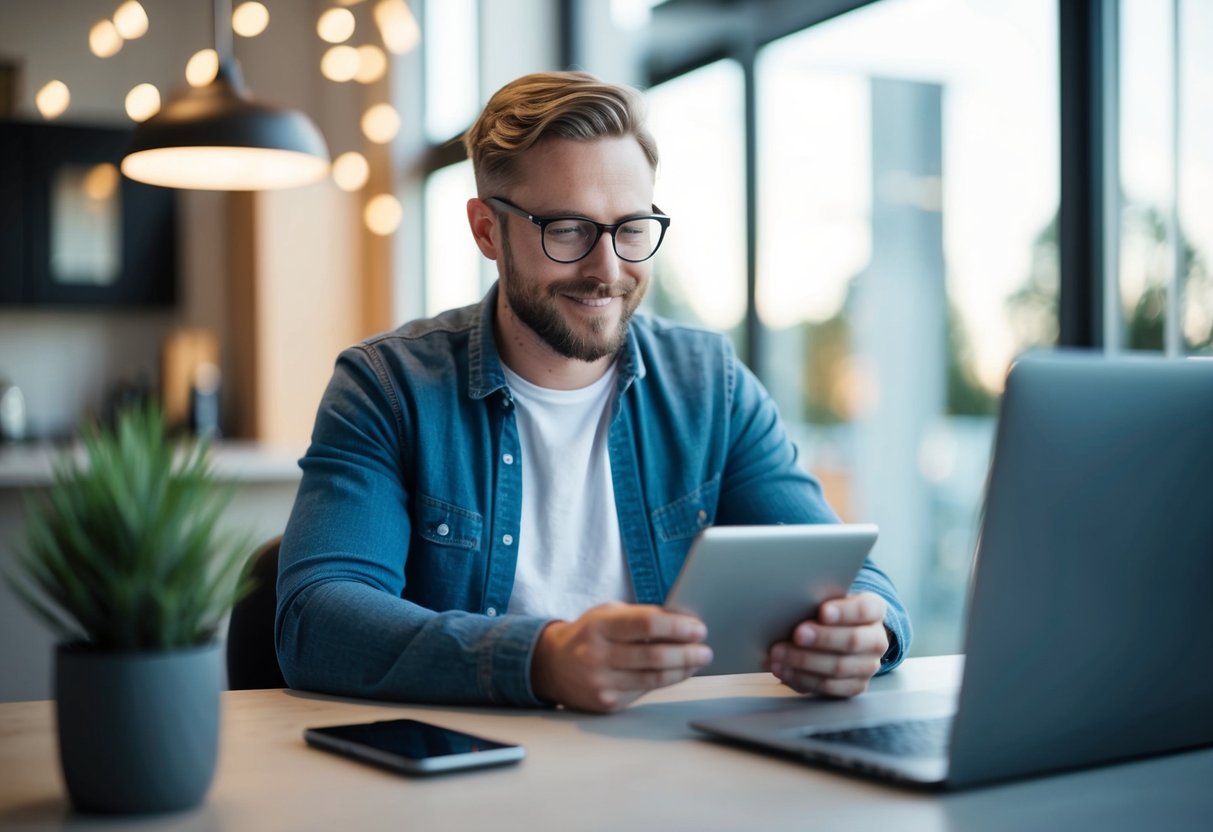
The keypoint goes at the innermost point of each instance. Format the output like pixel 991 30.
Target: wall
pixel 64 361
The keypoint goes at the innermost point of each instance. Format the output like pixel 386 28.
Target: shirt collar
pixel 485 375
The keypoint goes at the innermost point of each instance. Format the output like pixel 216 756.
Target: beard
pixel 538 307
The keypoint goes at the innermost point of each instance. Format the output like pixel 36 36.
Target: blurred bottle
pixel 204 400
pixel 12 413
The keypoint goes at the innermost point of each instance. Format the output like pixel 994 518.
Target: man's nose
pixel 602 263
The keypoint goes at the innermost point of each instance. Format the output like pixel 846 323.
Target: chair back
pixel 252 658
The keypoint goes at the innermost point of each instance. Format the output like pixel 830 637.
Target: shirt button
pixel 505 401
pixel 507 539
pixel 703 517
pixel 443 530
pixel 490 612
pixel 508 459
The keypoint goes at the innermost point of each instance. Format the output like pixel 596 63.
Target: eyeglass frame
pixel 602 228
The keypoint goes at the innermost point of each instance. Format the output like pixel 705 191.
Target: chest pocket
pixel 683 518
pixel 447 525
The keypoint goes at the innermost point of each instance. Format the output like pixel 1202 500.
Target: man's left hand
pixel 838 653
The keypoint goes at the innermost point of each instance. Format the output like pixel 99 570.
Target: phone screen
pixel 411 738
pixel 413 747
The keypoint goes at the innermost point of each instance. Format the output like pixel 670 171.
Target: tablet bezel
pixel 751 585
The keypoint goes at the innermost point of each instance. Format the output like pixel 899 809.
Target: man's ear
pixel 483 221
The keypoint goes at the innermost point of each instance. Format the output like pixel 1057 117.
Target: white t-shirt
pixel 570 556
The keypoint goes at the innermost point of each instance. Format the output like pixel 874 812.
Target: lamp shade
pixel 218 138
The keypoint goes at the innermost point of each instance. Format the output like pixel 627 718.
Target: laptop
pixel 1091 605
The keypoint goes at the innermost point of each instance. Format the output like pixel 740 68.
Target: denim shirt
pixel 398 561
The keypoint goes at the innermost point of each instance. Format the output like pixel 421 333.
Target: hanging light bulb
pixel 131 20
pixel 104 40
pixel 340 63
pixel 372 64
pixel 397 26
pixel 381 123
pixel 217 137
pixel 350 171
pixel 383 214
pixel 142 102
pixel 202 67
pixel 250 19
pixel 336 25
pixel 53 99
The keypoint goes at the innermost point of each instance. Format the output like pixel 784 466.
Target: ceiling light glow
pixel 53 99
pixel 202 67
pixel 250 19
pixel 350 171
pixel 131 20
pixel 372 64
pixel 104 40
pixel 336 25
pixel 383 214
pixel 142 102
pixel 381 123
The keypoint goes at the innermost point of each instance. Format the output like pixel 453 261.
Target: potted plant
pixel 125 561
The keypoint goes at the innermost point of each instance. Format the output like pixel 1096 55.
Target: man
pixel 497 500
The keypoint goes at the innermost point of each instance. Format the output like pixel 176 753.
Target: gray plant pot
pixel 138 732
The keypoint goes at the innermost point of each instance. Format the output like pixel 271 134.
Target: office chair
pixel 252 660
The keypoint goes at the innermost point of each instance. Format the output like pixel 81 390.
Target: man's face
pixel 579 310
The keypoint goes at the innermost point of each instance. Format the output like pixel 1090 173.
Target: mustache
pixel 592 289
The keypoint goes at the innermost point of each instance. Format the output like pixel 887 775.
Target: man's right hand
pixel 615 653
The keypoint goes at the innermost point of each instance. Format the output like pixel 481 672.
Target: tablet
pixel 751 585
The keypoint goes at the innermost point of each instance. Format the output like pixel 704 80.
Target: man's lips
pixel 590 301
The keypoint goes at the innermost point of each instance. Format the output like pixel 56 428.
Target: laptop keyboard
pixel 909 738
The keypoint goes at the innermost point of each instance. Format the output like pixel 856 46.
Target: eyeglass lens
pixel 572 239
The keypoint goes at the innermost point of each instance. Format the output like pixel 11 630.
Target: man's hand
pixel 615 653
pixel 837 654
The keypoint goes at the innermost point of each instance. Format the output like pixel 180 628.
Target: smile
pixel 590 301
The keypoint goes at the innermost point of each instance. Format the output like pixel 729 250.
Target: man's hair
pixel 568 105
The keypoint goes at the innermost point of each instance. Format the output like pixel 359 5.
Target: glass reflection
pixel 86 225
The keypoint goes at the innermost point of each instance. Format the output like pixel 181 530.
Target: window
pixel 907 251
pixel 455 272
pixel 1166 177
pixel 698 120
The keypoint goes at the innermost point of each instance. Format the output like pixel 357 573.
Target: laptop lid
pixel 1091 596
pixel 1091 600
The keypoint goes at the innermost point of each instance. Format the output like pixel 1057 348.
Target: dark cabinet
pixel 73 230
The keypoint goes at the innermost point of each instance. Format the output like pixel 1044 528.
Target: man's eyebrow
pixel 570 212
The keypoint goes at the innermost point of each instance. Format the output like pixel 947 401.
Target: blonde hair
pixel 569 105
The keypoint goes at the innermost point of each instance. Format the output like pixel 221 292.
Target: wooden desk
pixel 640 769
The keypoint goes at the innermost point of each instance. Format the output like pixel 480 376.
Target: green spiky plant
pixel 123 551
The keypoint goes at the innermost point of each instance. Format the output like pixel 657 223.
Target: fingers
pixel 636 622
pixel 658 656
pixel 839 653
pixel 860 608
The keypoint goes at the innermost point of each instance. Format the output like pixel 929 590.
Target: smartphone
pixel 413 747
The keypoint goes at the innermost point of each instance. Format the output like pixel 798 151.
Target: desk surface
pixel 639 769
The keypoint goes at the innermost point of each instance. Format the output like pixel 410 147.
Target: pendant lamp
pixel 218 138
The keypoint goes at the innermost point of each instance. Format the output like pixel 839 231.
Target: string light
pixel 381 123
pixel 340 63
pixel 383 214
pixel 53 99
pixel 131 20
pixel 142 102
pixel 372 64
pixel 350 171
pixel 336 25
pixel 250 19
pixel 202 67
pixel 104 40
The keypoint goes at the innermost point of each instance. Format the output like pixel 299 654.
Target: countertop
pixel 31 464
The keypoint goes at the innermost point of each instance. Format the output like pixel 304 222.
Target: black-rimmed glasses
pixel 569 239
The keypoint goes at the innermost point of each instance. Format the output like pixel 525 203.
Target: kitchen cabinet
pixel 73 230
